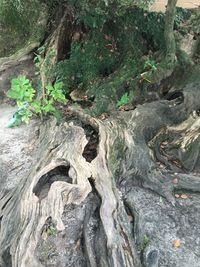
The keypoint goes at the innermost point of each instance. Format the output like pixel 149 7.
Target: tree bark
pixel 81 201
pixel 169 62
pixel 169 31
pixel 77 205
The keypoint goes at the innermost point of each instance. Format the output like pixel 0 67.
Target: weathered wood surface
pixel 101 193
pixel 72 212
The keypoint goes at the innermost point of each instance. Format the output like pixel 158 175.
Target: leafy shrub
pixel 43 63
pixel 92 58
pixel 19 15
pixel 104 48
pixel 23 92
pixel 109 52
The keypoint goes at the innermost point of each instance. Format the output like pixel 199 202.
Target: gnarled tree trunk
pixel 76 207
pixel 101 193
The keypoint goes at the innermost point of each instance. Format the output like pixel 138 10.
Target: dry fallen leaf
pixel 122 108
pixel 44 235
pixel 184 196
pixel 175 181
pixel 107 37
pixel 85 97
pixel 103 116
pixel 78 244
pixel 176 243
pixel 130 218
pixel 164 143
pixel 161 165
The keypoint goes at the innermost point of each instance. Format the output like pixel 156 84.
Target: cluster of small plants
pixel 107 54
pixel 91 58
pixel 28 105
pixel 40 101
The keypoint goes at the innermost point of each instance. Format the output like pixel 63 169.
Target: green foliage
pixel 195 21
pixel 23 114
pixel 22 22
pixel 145 242
pixel 52 230
pixel 43 63
pixel 182 15
pixel 94 57
pixel 23 92
pixel 124 100
pixel 150 64
pixel 94 14
pixel 19 15
pixel 55 91
pixel 107 47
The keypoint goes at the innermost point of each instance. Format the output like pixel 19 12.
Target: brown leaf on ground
pixel 176 243
pixel 103 116
pixel 78 244
pixel 131 219
pixel 184 196
pixel 85 97
pixel 164 143
pixel 175 181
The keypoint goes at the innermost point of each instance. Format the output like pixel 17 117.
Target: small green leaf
pixel 37 107
pixel 14 122
pixel 48 108
pixel 124 100
pixel 21 89
pixel 56 92
pixel 150 65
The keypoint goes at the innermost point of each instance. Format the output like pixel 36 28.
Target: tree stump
pixel 76 206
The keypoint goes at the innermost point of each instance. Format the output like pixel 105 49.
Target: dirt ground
pixel 159 5
pixel 16 148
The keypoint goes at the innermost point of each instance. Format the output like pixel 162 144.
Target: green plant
pixel 89 60
pixel 150 65
pixel 44 64
pixel 38 59
pixel 124 100
pixel 19 15
pixel 21 90
pixel 25 96
pixel 145 242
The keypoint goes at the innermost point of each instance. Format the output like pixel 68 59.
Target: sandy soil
pixel 16 148
pixel 159 5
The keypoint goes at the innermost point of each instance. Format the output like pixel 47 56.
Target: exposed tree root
pixel 62 176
